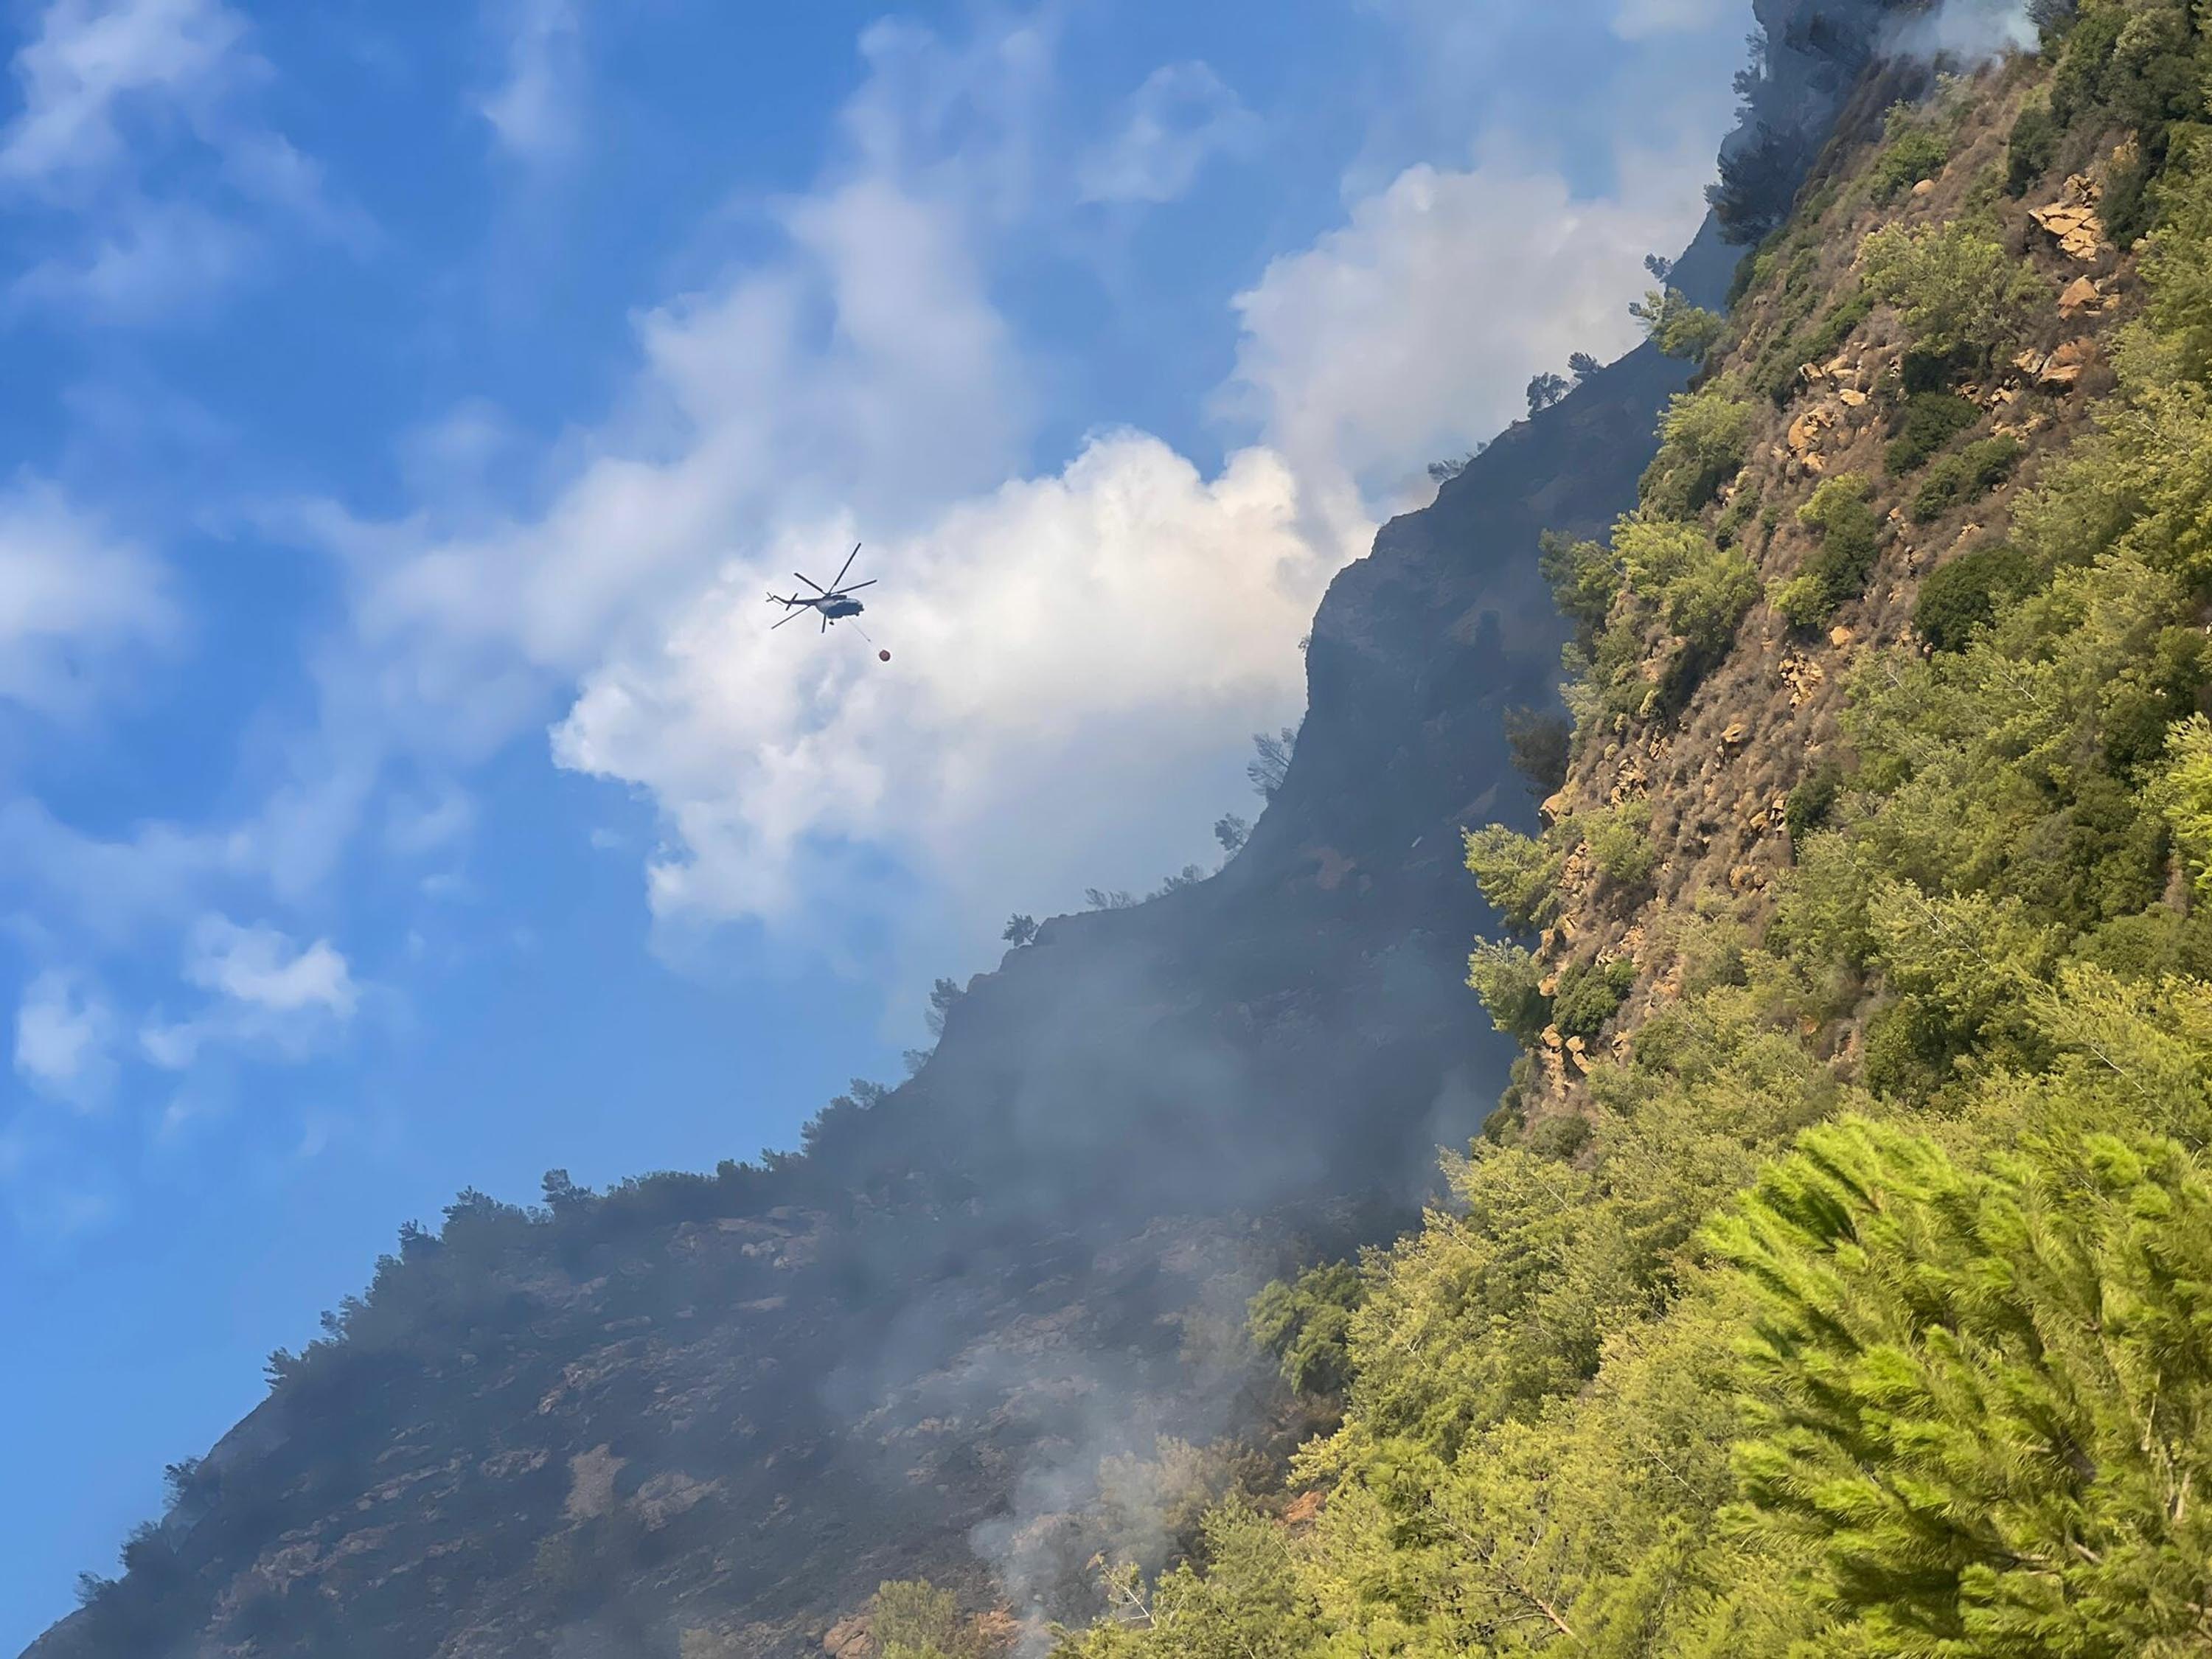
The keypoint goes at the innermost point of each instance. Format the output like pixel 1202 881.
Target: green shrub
pixel 1775 374
pixel 1837 571
pixel 1924 423
pixel 1506 978
pixel 1799 602
pixel 1584 578
pixel 1841 322
pixel 1815 796
pixel 1957 291
pixel 1655 551
pixel 1703 439
pixel 1304 1325
pixel 1588 994
pixel 912 1618
pixel 1706 604
pixel 2031 149
pixel 1742 511
pixel 1974 471
pixel 1912 150
pixel 1757 267
pixel 1519 875
pixel 1558 1137
pixel 1963 594
pixel 1619 841
pixel 1678 328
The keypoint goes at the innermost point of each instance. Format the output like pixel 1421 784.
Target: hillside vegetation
pixel 1836 1278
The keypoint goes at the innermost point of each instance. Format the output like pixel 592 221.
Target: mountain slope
pixel 742 1401
pixel 739 1402
pixel 1834 1279
pixel 718 1410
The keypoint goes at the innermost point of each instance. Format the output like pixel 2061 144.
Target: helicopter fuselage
pixel 832 603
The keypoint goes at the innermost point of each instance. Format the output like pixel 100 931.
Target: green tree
pixel 2177 272
pixel 943 994
pixel 1306 1324
pixel 1958 293
pixel 2184 795
pixel 1271 761
pixel 1540 741
pixel 1982 1398
pixel 1678 328
pixel 1518 874
pixel 1508 981
pixel 1584 576
pixel 1703 439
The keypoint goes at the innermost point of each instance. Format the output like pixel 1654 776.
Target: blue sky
pixel 408 405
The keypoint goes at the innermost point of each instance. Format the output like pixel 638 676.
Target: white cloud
pixel 159 186
pixel 74 599
pixel 750 417
pixel 91 60
pixel 140 262
pixel 415 824
pixel 533 113
pixel 1411 329
pixel 263 968
pixel 271 994
pixel 64 1031
pixel 1181 117
pixel 1102 639
pixel 1077 652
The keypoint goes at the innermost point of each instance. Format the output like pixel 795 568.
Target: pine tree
pixel 1986 1399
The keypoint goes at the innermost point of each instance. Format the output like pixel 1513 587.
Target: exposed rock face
pixel 2072 221
pixel 1719 772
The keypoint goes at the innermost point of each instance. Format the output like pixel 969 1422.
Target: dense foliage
pixel 1863 1304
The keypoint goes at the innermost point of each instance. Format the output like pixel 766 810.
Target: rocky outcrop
pixel 1718 771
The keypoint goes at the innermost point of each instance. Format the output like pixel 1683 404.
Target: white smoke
pixel 1967 33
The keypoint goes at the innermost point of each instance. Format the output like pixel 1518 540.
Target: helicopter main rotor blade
pixel 788 616
pixel 855 587
pixel 812 583
pixel 849 557
pixel 825 623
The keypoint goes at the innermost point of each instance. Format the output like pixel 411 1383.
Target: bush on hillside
pixel 1975 471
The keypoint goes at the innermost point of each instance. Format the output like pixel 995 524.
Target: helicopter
pixel 830 603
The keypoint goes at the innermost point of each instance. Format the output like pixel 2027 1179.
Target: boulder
pixel 2080 296
pixel 2074 226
